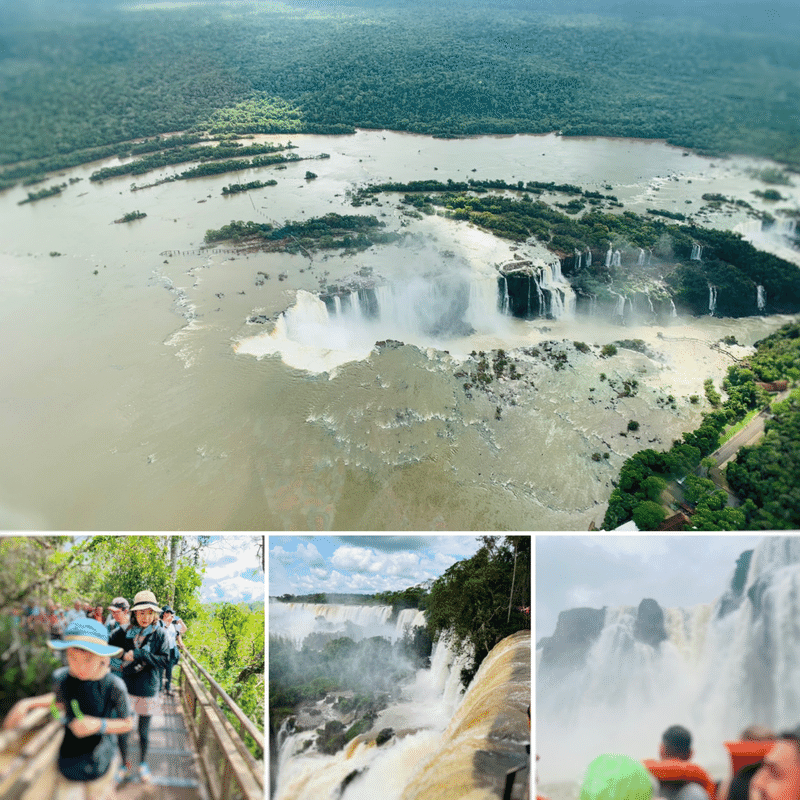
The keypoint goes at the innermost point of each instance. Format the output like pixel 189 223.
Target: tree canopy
pixel 479 601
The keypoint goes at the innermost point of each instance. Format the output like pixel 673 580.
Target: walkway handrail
pixel 28 751
pixel 230 769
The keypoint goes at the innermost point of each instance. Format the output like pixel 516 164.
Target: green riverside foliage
pixel 473 603
pixel 228 640
pixel 763 476
pixel 83 81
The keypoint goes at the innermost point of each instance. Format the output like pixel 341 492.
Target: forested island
pixel 475 604
pixel 88 77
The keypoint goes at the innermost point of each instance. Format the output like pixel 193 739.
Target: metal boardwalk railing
pixel 197 749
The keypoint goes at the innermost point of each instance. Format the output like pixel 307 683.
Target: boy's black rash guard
pixel 88 758
pixel 142 675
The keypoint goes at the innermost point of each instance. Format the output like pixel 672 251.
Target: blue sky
pixel 233 571
pixel 363 564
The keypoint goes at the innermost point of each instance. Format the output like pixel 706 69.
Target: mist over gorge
pixel 615 678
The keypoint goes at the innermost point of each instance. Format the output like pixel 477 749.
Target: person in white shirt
pixel 174 627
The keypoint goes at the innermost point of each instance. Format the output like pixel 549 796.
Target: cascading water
pixel 562 295
pixel 588 257
pixel 640 259
pixel 616 260
pixel 714 668
pixel 609 256
pixel 712 298
pixel 761 297
pixel 432 711
pixel 697 253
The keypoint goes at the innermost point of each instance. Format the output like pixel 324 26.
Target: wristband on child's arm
pixel 102 727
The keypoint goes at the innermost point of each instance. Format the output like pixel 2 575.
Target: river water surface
pixel 135 394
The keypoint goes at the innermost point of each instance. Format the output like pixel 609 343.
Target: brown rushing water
pixel 125 405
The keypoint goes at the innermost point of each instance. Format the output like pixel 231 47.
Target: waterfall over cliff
pixel 297 621
pixel 439 739
pixel 616 678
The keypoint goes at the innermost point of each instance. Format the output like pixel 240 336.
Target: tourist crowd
pixel 118 664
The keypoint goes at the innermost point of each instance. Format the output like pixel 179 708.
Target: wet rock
pixel 649 627
pixel 384 736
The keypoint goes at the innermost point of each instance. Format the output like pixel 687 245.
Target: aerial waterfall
pixel 712 299
pixel 715 668
pixel 761 297
pixel 697 253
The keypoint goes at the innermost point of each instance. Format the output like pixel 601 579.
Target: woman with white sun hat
pixel 146 654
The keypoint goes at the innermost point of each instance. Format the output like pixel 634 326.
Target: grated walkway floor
pixel 173 764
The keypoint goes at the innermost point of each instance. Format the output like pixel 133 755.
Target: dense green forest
pixel 474 604
pixel 41 573
pixel 86 77
pixel 764 476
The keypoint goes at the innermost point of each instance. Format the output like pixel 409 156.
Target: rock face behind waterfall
pixel 488 733
pixel 576 631
pixel 649 626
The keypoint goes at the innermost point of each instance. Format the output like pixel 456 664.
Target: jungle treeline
pixel 84 78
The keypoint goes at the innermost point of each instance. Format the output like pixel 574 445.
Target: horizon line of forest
pixel 85 85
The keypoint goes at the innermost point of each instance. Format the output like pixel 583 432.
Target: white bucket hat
pixel 145 599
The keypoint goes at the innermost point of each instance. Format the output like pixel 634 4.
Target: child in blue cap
pixel 95 706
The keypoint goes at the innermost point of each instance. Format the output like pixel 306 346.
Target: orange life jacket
pixel 674 769
pixel 745 753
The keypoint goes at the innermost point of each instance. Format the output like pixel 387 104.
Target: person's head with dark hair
pixel 676 742
pixel 779 775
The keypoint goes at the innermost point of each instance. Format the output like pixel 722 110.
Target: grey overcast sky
pixel 595 571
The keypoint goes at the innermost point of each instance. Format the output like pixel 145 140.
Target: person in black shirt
pixel 146 654
pixel 95 706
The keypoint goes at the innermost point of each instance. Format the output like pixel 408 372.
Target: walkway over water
pixel 197 751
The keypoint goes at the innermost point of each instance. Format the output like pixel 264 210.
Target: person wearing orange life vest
pixel 679 777
pixel 779 775
pixel 747 754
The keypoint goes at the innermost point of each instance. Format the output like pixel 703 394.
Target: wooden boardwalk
pixel 173 763
pixel 197 749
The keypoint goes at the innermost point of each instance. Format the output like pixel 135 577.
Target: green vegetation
pixel 42 193
pixel 763 476
pixel 180 155
pixel 731 264
pixel 131 216
pixel 329 232
pixel 83 82
pixel 228 641
pixel 481 600
pixel 236 188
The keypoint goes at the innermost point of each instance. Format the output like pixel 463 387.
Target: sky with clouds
pixel 233 570
pixel 597 571
pixel 361 564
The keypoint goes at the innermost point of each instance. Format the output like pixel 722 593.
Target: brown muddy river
pixel 135 395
